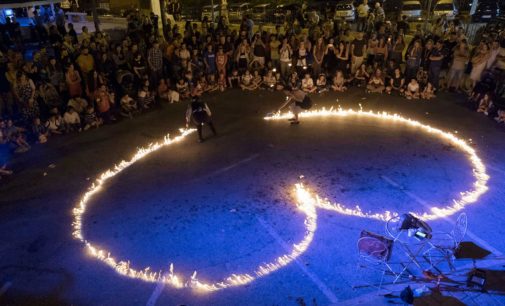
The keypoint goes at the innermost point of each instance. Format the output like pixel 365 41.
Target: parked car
pixel 412 9
pixel 445 8
pixel 207 12
pixel 237 11
pixel 486 11
pixel 345 10
pixel 283 12
pixel 262 12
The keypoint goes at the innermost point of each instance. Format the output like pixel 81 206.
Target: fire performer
pixel 198 113
pixel 297 100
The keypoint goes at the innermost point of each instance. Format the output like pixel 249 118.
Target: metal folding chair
pixel 444 246
pixel 374 252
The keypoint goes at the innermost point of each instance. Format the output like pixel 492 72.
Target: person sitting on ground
pixel 428 92
pixel 269 80
pixel 485 104
pixel 234 79
pixel 145 97
pixel 246 82
pixel 279 85
pixel 55 124
pixel 308 84
pixel 412 91
pixel 16 136
pixel 211 83
pixel 396 82
pixel 422 78
pixel 376 83
pixel 294 81
pixel 339 82
pixel 500 118
pixel 167 94
pixel 199 88
pixel 40 132
pixel 361 76
pixel 128 106
pixel 257 79
pixel 91 119
pixel 71 120
pixel 78 104
pixel 221 82
pixel 183 88
pixel 321 83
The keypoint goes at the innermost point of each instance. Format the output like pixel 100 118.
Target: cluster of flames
pixel 306 203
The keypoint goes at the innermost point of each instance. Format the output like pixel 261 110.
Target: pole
pixel 95 16
pixel 428 15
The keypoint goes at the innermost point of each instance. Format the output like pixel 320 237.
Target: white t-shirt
pixel 71 118
pixel 307 83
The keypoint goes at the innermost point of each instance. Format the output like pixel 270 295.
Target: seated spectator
pixel 308 84
pixel 485 104
pixel 4 151
pixel 321 83
pixel 396 82
pixel 39 131
pixel 500 118
pixel 294 81
pixel 339 82
pixel 221 82
pixel 257 79
pixel 269 80
pixel 128 106
pixel 199 88
pixel 234 79
pixel 428 92
pixel 167 94
pixel 413 90
pixel 422 78
pixel 183 88
pixel 247 81
pixel 50 96
pixel 145 97
pixel 91 119
pixel 78 104
pixel 212 83
pixel 279 85
pixel 16 136
pixel 376 83
pixel 361 76
pixel 71 120
pixel 55 124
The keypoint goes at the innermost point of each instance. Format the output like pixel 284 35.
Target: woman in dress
pixel 25 94
pixel 330 58
pixel 342 57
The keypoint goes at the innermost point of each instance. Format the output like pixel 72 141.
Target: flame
pixel 467 197
pixel 306 202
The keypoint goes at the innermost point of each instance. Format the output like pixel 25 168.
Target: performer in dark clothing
pixel 297 100
pixel 199 114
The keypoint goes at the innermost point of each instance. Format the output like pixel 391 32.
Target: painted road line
pixel 496 169
pixel 228 168
pixel 313 277
pixel 5 287
pixel 416 198
pixel 156 293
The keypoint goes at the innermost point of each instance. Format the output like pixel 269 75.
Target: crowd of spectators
pixel 71 83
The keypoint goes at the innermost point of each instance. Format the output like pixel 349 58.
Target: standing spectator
pixel 358 51
pixel 479 62
pixel 274 51
pixel 301 58
pixel 60 21
pixel 460 59
pixel 436 59
pixel 104 101
pixel 6 98
pixel 221 61
pixel 318 55
pixel 25 94
pixel 259 51
pixel 413 60
pixel 403 26
pixel 397 50
pixel 209 58
pixel 86 63
pixel 73 79
pixel 155 61
pixel 380 16
pixel 363 9
pixel 286 54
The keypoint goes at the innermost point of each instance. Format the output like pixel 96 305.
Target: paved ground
pixel 225 206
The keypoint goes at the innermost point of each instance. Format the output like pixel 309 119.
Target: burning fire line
pixel 306 202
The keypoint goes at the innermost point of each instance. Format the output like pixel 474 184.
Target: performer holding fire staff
pixel 297 100
pixel 199 114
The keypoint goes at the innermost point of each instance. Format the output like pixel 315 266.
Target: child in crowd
pixel 339 82
pixel 183 88
pixel 308 84
pixel 39 131
pixel 257 79
pixel 485 104
pixel 321 83
pixel 428 92
pixel 71 120
pixel 221 81
pixel 128 106
pixel 234 79
pixel 500 118
pixel 247 81
pixel 269 81
pixel 167 94
pixel 78 104
pixel 422 78
pixel 376 83
pixel 396 82
pixel 55 124
pixel 212 83
pixel 361 76
pixel 145 97
pixel 91 119
pixel 413 90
